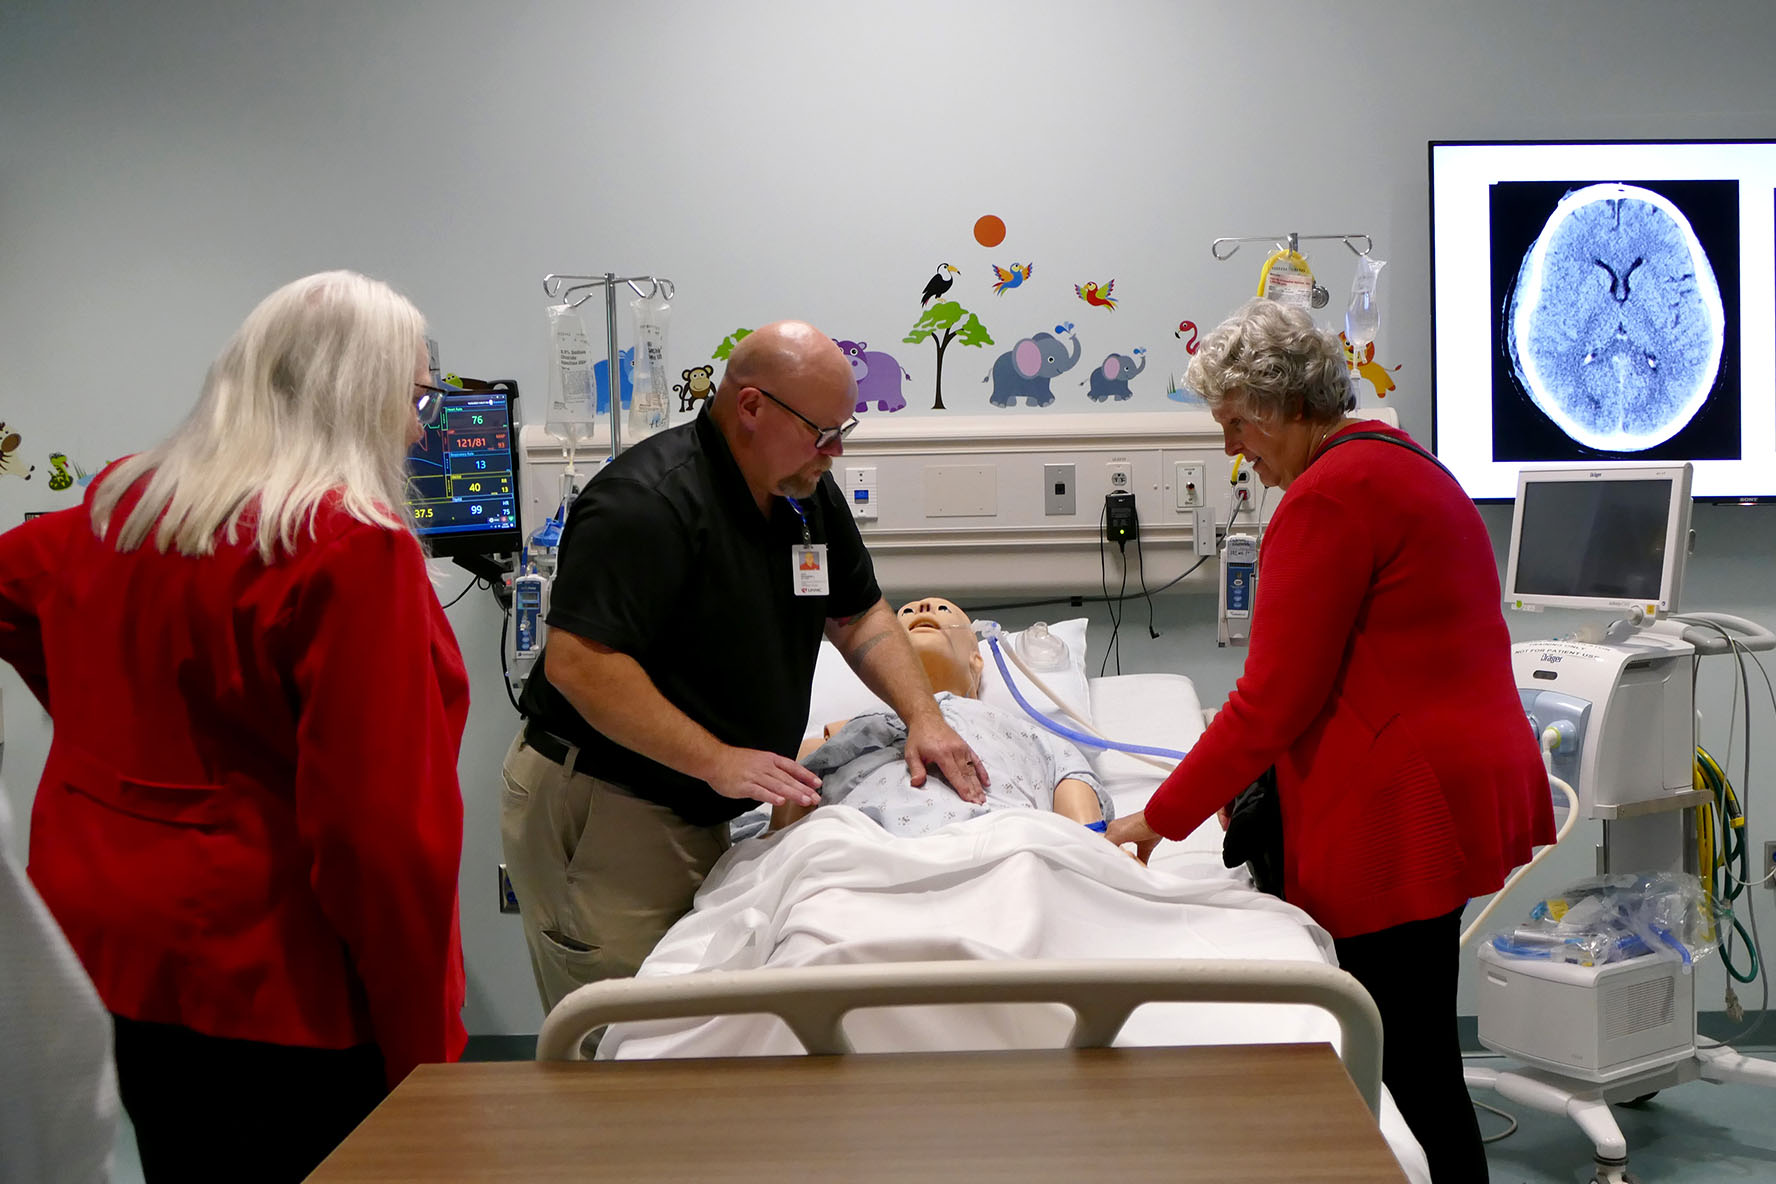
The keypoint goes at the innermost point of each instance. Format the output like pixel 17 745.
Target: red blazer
pixel 1379 683
pixel 249 821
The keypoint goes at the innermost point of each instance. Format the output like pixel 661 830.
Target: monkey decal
pixel 698 384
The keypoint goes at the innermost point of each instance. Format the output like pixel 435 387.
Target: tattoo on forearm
pixel 868 644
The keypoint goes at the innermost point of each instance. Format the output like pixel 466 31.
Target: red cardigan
pixel 249 821
pixel 1379 683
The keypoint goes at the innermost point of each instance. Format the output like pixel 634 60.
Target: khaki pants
pixel 600 874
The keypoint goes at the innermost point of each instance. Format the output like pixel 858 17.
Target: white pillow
pixel 839 694
pixel 1072 684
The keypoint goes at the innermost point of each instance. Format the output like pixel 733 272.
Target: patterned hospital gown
pixel 863 767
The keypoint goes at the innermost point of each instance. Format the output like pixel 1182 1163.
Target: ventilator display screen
pixel 1605 301
pixel 463 477
pixel 1599 538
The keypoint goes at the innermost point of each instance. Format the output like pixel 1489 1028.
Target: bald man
pixel 698 572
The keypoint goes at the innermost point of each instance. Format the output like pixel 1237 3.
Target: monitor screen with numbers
pixel 463 487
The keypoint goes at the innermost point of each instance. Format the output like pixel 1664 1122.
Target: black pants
pixel 206 1108
pixel 1410 971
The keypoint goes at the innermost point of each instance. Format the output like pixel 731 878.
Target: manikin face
pixel 1277 452
pixel 943 639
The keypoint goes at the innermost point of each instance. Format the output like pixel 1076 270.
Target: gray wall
pixel 163 166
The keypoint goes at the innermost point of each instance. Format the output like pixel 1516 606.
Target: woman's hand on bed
pixel 1133 828
pixel 931 742
pixel 764 777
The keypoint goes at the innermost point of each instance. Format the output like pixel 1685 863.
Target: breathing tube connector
pixel 1551 738
pixel 991 632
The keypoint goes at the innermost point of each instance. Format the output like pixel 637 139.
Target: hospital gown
pixel 863 766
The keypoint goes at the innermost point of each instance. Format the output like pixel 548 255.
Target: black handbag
pixel 1255 833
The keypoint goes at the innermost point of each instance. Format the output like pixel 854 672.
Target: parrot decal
pixel 1096 297
pixel 1010 279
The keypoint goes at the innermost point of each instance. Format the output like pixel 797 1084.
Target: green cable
pixel 1725 886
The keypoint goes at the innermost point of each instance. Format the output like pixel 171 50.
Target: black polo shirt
pixel 666 558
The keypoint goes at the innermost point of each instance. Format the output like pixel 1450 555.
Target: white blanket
pixel 835 888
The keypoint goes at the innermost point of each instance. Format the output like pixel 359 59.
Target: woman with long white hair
pixel 249 824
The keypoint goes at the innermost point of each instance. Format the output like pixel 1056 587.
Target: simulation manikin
pixel 860 763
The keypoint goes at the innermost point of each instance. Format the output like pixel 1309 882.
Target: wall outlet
pixel 1122 476
pixel 1245 489
pixel 860 490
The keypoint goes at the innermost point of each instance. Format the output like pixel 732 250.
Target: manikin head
pixel 943 638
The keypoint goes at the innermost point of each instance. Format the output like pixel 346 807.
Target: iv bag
pixel 1286 278
pixel 649 411
pixel 1362 317
pixel 571 413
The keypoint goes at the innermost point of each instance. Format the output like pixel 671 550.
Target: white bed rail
pixel 814 1000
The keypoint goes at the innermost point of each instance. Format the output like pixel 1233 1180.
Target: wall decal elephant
pixel 1024 370
pixel 625 379
pixel 1111 379
pixel 878 376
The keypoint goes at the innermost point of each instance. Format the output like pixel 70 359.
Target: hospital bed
pixel 1015 931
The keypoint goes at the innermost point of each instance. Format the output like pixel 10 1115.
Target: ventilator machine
pixel 1614 710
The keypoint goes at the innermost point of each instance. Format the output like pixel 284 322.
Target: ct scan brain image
pixel 1614 323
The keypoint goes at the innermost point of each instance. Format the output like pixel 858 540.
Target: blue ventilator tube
pixel 1077 737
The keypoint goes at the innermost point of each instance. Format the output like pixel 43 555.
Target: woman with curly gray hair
pixel 1378 686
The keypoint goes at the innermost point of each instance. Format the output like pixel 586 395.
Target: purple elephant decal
pixel 878 376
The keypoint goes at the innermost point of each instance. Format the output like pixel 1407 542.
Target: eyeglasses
pixel 823 437
pixel 428 403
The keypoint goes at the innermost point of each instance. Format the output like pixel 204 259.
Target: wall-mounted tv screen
pixel 1607 300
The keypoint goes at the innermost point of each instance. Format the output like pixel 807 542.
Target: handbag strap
pixel 1396 441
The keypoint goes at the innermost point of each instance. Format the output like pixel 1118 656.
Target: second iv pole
pixel 561 287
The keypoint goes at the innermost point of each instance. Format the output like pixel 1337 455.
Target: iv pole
pixel 1294 240
pixel 564 287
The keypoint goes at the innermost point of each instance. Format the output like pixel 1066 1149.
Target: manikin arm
pixel 787 812
pixel 1074 799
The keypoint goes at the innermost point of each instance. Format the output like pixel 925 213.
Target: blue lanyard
pixel 807 538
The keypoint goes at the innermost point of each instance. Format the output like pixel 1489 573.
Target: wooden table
pixel 1274 1112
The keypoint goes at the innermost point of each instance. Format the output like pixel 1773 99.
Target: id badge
pixel 808 563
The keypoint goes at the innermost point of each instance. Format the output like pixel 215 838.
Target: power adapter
pixel 1120 523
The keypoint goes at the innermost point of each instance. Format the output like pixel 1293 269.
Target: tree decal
pixel 944 323
pixel 728 343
